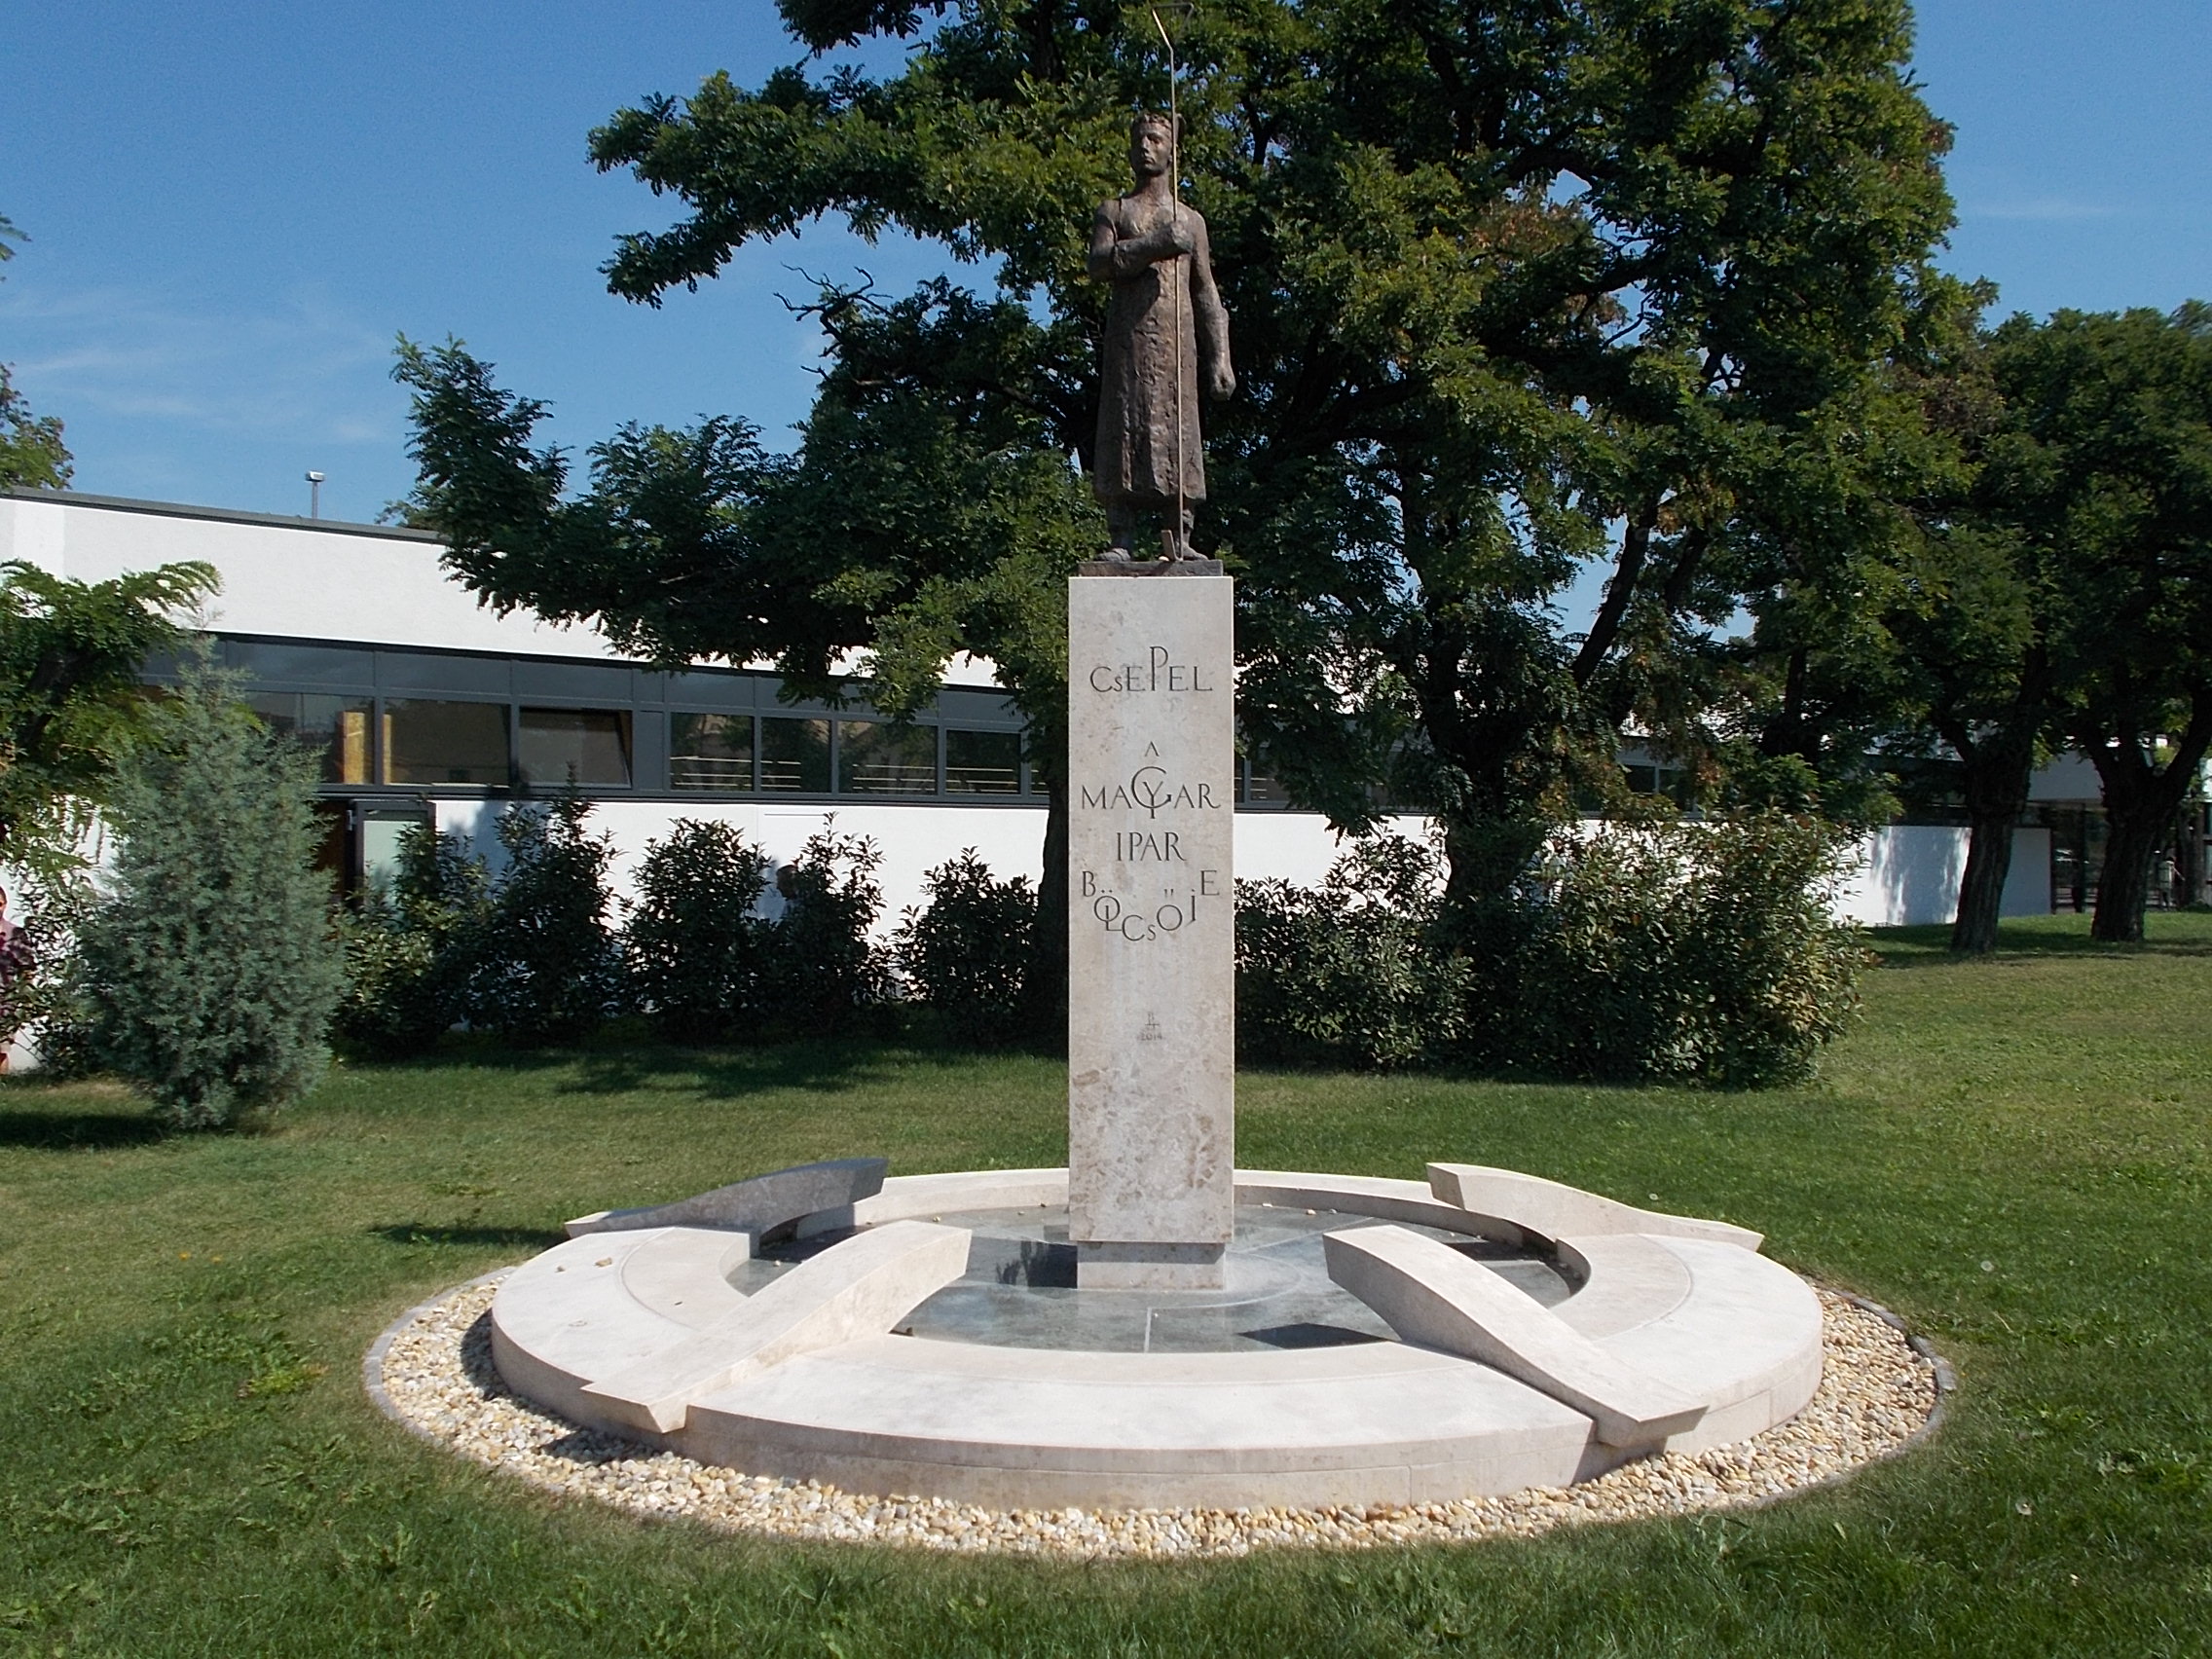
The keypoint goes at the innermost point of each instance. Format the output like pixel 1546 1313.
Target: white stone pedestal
pixel 1152 962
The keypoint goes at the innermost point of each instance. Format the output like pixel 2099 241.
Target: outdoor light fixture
pixel 315 494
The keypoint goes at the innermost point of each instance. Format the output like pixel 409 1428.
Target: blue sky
pixel 233 207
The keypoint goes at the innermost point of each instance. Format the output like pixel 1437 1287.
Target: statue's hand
pixel 1220 383
pixel 1180 233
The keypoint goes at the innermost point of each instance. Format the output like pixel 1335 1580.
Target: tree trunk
pixel 2132 834
pixel 1998 772
pixel 1486 856
pixel 1982 890
pixel 2141 799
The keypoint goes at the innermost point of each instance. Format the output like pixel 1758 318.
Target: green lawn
pixel 2012 1154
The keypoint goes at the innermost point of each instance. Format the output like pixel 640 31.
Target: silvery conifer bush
pixel 210 968
pixel 967 953
pixel 696 946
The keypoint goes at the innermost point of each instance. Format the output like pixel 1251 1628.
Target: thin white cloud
pixel 305 366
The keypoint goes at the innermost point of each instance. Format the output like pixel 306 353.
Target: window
pixel 381 832
pixel 982 763
pixel 709 752
pixel 444 743
pixel 338 726
pixel 589 748
pixel 795 755
pixel 876 757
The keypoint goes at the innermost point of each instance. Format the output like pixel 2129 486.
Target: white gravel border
pixel 1880 1392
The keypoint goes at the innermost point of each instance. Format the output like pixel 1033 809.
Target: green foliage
pixel 1513 290
pixel 697 949
pixel 411 947
pixel 32 455
pixel 37 955
pixel 528 954
pixel 967 953
pixel 1676 951
pixel 2100 470
pixel 1350 974
pixel 1964 612
pixel 210 972
pixel 544 965
pixel 1690 952
pixel 71 701
pixel 826 972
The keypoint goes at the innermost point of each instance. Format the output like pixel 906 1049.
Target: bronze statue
pixel 1164 325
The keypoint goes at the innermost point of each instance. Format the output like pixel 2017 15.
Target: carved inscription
pixel 1136 918
pixel 1151 930
pixel 1145 803
pixel 1159 672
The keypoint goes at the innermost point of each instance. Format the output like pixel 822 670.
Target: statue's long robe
pixel 1163 315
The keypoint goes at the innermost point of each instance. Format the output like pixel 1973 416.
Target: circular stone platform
pixel 432 1372
pixel 989 1382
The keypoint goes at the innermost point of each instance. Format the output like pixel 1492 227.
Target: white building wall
pixel 1908 876
pixel 294 578
pixel 915 838
pixel 1297 846
pixel 302 578
pixel 297 578
pixel 1905 876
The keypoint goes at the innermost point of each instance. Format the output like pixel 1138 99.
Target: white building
pixel 429 706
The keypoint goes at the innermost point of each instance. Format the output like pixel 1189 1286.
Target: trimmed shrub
pixel 1695 953
pixel 410 948
pixel 1350 973
pixel 967 953
pixel 544 967
pixel 1689 952
pixel 211 971
pixel 697 952
pixel 825 970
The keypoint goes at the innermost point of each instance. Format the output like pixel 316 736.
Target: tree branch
pixel 1606 627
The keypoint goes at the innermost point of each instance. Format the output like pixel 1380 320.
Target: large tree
pixel 72 702
pixel 1513 290
pixel 2102 470
pixel 1972 638
pixel 1965 613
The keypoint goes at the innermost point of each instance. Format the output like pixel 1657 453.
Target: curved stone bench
pixel 1029 1427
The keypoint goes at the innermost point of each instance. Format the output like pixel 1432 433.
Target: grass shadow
pixel 2183 935
pixel 423 1232
pixel 817 1065
pixel 80 1130
pixel 822 1065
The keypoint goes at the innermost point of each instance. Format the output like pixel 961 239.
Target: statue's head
pixel 1152 144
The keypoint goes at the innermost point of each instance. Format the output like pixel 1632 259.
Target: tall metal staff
pixel 1173 539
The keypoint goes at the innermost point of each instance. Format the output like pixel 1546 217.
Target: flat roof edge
pixel 221 515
